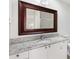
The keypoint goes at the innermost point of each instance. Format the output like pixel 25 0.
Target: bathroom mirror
pixel 35 19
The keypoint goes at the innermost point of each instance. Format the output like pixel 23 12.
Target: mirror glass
pixel 36 19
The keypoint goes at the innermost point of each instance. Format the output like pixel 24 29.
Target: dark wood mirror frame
pixel 22 19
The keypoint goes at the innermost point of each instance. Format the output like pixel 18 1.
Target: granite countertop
pixel 22 45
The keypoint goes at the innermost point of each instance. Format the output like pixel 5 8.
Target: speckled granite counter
pixel 22 45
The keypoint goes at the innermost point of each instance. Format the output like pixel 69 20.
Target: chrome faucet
pixel 42 37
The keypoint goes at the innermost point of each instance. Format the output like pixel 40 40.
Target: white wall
pixel 61 7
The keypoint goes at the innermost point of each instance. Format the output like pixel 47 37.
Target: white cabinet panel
pixel 58 51
pixel 20 56
pixel 40 53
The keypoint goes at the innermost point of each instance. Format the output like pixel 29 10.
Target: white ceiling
pixel 66 1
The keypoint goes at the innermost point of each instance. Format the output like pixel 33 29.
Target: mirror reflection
pixel 38 19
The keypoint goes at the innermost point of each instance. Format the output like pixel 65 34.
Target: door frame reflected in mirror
pixel 22 30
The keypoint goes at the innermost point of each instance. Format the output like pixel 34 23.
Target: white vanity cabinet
pixel 23 55
pixel 55 51
pixel 58 50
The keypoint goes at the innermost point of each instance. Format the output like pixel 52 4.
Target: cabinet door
pixel 40 53
pixel 58 51
pixel 20 56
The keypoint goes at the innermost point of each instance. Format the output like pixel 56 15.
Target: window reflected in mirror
pixel 36 19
